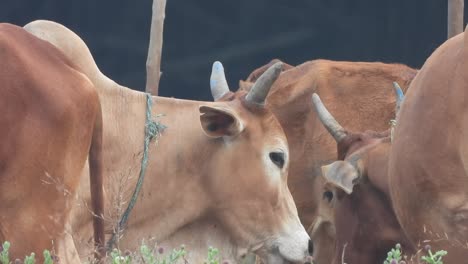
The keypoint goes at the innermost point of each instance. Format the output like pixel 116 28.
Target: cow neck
pixel 153 130
pixel 176 162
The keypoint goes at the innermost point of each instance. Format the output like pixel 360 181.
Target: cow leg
pixel 29 227
pixel 442 229
pixel 66 250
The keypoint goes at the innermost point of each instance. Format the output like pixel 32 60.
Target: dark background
pixel 243 34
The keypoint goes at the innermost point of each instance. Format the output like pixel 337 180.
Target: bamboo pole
pixel 455 17
pixel 153 62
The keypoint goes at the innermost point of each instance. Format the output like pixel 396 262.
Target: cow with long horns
pixel 356 198
pixel 359 94
pixel 217 176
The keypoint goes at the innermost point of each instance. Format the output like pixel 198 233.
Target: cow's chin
pixel 291 248
pixel 276 258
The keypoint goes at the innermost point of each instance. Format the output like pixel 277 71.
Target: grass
pixel 395 256
pixel 435 258
pixel 157 255
pixel 146 255
pixel 31 259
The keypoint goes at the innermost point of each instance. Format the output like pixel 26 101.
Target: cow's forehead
pixel 273 134
pixel 260 120
pixel 279 141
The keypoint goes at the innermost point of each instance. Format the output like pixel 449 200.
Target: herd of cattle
pixel 277 168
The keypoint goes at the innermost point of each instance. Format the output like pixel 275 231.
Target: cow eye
pixel 328 195
pixel 277 158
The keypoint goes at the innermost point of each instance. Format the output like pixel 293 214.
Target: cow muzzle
pixel 293 247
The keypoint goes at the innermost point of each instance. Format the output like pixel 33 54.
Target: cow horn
pixel 328 120
pixel 218 83
pixel 260 89
pixel 399 96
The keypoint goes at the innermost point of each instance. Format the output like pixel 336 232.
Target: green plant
pixel 433 258
pixel 4 258
pixel 117 258
pixel 47 257
pixel 394 255
pixel 30 259
pixel 175 255
pixel 213 256
pixel 147 254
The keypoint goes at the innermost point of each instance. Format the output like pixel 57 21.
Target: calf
pixel 356 199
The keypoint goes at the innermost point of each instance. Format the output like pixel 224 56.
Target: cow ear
pixel 219 122
pixel 244 85
pixel 253 77
pixel 341 174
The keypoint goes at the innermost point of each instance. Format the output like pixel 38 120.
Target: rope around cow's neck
pixel 152 129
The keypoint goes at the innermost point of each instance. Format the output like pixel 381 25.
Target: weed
pixel 47 257
pixel 213 256
pixel 4 258
pixel 394 256
pixel 146 255
pixel 433 258
pixel 31 259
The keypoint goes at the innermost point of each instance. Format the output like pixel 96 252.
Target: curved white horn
pixel 330 123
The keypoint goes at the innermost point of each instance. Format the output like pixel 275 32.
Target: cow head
pixel 253 203
pixel 343 85
pixel 356 199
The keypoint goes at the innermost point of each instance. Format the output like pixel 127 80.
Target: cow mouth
pixel 276 251
pixel 279 259
pixel 275 256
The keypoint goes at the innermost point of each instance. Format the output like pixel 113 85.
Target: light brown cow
pixel 217 179
pixel 356 195
pixel 359 94
pixel 51 120
pixel 428 172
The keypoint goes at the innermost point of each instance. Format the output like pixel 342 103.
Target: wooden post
pixel 153 62
pixel 455 18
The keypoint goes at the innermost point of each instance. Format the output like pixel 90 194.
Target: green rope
pixel 152 129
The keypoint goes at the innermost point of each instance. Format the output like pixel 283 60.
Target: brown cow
pixel 356 195
pixel 217 179
pixel 428 172
pixel 51 120
pixel 359 94
pixel 427 178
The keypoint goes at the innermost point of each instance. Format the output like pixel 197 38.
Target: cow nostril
pixel 311 247
pixel 328 196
